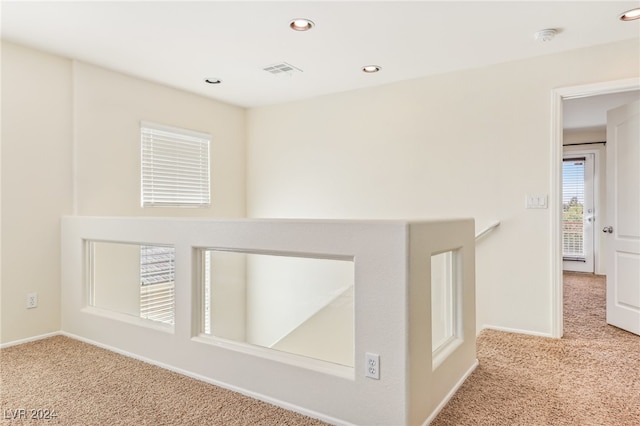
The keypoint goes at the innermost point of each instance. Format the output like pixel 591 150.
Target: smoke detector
pixel 545 35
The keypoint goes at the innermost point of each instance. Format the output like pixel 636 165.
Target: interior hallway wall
pixel 108 108
pixel 36 187
pixel 472 143
pixel 71 145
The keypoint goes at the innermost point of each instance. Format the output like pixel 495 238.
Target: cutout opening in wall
pixel 446 305
pixel 287 303
pixel 132 282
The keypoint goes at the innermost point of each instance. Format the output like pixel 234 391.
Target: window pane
pixel 572 208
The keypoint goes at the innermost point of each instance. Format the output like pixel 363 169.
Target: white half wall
pixel 391 299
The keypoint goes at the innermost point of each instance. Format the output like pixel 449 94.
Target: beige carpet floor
pixel 590 377
pixel 87 385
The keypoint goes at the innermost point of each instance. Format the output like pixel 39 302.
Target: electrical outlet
pixel 32 300
pixel 372 365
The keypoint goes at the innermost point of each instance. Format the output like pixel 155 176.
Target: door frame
pixel 555 199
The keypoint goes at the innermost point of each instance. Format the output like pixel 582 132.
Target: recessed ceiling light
pixel 212 81
pixel 370 69
pixel 301 24
pixel 631 15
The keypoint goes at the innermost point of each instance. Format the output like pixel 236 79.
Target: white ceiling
pixel 182 43
pixel 591 112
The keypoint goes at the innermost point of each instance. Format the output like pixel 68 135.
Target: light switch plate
pixel 536 201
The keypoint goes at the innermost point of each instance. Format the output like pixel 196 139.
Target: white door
pixel 623 217
pixel 578 212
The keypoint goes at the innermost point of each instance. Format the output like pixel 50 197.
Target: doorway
pixel 558 97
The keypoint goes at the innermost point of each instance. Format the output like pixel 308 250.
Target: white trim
pixel 557 96
pixel 130 319
pixel 555 201
pixel 325 367
pixel 452 392
pixel 254 395
pixel 488 229
pixel 173 129
pixel 74 140
pixel 516 331
pixel 30 339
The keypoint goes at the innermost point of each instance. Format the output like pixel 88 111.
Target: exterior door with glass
pixel 578 212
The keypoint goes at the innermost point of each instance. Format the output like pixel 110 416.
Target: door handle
pixel 608 229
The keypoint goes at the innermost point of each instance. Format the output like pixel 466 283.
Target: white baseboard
pixel 452 392
pixel 254 395
pixel 516 330
pixel 29 339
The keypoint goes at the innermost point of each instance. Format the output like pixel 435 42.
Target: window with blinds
pixel 573 194
pixel 157 283
pixel 175 167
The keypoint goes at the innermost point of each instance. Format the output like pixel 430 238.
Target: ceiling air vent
pixel 282 68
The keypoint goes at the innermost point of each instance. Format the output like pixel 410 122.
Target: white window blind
pixel 573 175
pixel 175 167
pixel 157 283
pixel 156 265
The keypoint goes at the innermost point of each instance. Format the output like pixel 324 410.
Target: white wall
pixel 261 298
pixel 115 272
pixel 328 335
pixel 108 107
pixel 469 143
pixel 36 187
pixel 71 144
pixel 283 292
pixel 228 295
pixel 573 137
